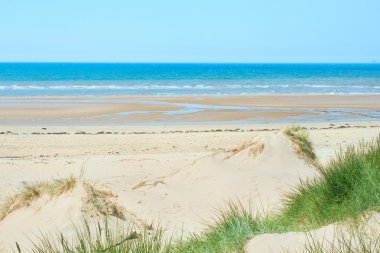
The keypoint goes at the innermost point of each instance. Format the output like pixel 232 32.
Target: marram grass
pixel 32 192
pixel 100 238
pixel 349 186
pixel 300 137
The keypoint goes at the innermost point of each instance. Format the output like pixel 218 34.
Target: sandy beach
pixel 158 163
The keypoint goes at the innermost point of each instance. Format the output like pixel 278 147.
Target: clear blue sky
pixel 190 31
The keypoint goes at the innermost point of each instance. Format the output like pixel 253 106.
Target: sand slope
pixel 45 215
pixel 48 216
pixel 328 237
pixel 189 195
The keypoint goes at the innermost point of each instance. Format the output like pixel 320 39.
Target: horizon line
pixel 127 62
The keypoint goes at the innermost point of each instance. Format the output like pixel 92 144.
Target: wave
pixel 141 87
pixel 233 87
pixel 107 87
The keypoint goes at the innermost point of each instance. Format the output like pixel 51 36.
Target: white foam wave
pixel 214 88
pixel 26 87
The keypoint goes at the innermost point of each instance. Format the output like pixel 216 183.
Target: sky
pixel 190 31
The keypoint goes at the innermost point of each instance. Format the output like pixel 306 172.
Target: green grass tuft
pixel 232 228
pixel 349 186
pixel 101 238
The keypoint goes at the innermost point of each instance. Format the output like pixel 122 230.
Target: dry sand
pixel 329 237
pixel 175 176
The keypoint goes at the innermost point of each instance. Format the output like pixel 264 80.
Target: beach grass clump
pixel 98 202
pixel 232 228
pixel 348 186
pixel 300 137
pixel 101 237
pixel 31 192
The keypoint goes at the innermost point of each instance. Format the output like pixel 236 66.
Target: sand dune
pixel 176 178
pixel 186 196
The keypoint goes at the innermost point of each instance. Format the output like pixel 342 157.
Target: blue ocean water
pixel 99 79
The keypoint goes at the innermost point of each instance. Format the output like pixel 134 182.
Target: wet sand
pixel 142 110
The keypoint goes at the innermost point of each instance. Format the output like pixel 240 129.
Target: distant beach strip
pixel 190 109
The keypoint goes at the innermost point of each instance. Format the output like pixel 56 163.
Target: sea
pixel 104 79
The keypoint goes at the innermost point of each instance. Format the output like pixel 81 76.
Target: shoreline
pixel 369 98
pixel 187 95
